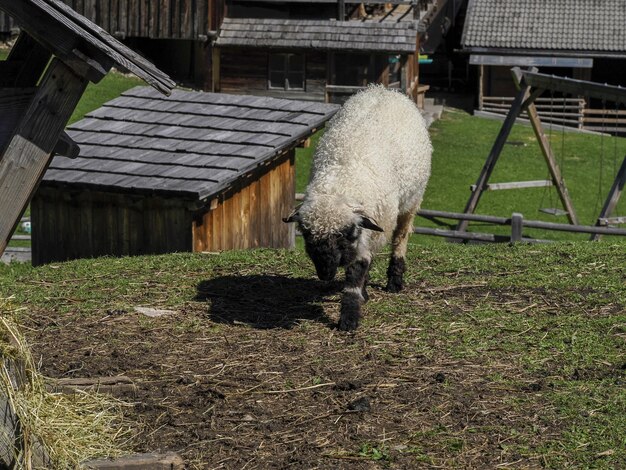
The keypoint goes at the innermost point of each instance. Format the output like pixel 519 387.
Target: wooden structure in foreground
pixel 531 85
pixel 56 55
pixel 192 172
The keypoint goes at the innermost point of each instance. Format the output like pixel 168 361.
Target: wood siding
pixel 70 225
pixel 163 19
pixel 87 224
pixel 252 216
pixel 246 71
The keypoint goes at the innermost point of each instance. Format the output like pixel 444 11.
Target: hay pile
pixel 52 430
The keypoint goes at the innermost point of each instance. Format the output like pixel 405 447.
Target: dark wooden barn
pixel 324 50
pixel 192 172
pixel 581 39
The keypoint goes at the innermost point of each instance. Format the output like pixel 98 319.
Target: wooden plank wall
pixel 69 225
pixel 246 71
pixel 252 216
pixel 162 19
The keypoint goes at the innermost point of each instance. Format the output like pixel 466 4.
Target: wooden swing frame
pixel 531 85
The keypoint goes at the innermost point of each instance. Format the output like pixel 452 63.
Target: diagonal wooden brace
pixel 28 151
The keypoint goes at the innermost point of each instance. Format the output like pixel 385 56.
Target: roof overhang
pixel 531 61
pixel 563 53
pixel 331 35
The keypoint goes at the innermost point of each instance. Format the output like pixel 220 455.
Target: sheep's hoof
pixel 350 313
pixel 366 296
pixel 394 285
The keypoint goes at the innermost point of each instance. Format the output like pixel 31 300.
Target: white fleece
pixel 374 158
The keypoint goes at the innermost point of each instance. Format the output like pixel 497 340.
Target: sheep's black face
pixel 330 252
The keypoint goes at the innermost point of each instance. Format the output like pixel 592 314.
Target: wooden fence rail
pixel 567 111
pixel 516 221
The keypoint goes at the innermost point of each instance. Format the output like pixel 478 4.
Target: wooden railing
pixel 563 111
pixel 610 121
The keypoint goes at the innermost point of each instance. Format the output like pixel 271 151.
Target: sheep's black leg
pixel 395 274
pixel 399 241
pixel 352 297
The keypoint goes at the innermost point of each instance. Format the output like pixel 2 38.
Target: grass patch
pixel 492 355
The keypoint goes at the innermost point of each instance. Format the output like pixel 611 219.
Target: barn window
pixel 286 71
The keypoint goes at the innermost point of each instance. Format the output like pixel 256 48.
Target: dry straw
pixel 53 430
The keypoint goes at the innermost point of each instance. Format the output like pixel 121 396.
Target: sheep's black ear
pixel 293 217
pixel 370 224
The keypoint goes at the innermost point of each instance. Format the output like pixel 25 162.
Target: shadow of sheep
pixel 266 301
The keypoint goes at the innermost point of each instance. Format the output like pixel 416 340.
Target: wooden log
pixel 168 461
pixel 116 386
pixel 27 155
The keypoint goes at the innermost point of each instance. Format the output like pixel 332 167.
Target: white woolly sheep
pixel 368 179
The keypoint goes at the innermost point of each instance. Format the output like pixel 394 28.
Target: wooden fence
pixel 516 222
pixel 610 121
pixel 562 111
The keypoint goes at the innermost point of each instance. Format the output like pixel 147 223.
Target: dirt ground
pixel 252 373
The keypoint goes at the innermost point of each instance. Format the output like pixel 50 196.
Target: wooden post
pixel 27 155
pixel 613 198
pixel 341 10
pixel 517 223
pixel 215 63
pixel 481 85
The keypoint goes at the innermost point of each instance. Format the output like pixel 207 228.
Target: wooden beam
pixel 612 199
pixel 27 154
pixel 215 62
pixel 516 185
pixel 58 34
pixel 66 147
pixel 615 94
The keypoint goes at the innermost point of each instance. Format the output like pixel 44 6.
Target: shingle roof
pixel 191 144
pixel 561 25
pixel 390 37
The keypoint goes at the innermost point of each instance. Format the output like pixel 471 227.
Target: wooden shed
pixel 191 172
